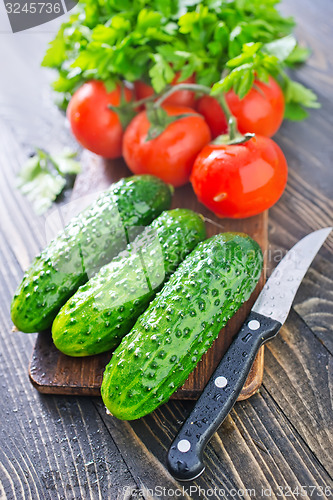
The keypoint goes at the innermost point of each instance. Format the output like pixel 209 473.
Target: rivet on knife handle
pixel 185 458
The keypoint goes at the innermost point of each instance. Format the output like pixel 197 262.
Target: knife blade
pixel 269 312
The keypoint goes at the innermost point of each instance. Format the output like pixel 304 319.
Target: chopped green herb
pixel 43 177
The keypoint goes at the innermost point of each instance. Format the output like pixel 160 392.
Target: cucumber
pixel 180 324
pixel 102 311
pixel 88 242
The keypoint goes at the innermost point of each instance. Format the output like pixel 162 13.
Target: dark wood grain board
pixel 54 373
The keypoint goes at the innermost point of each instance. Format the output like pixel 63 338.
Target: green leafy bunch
pixel 226 43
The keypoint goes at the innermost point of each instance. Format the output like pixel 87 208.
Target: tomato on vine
pixel 212 112
pixel 240 180
pixel 260 112
pixel 95 126
pixel 165 142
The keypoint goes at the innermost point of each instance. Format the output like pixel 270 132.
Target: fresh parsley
pixel 261 60
pixel 43 177
pixel 226 43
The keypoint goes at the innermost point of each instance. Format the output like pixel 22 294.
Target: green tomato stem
pixel 144 100
pixel 200 89
pixel 232 122
pixel 203 89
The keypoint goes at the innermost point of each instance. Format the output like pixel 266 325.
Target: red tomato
pixel 93 124
pixel 260 112
pixel 240 180
pixel 179 98
pixel 262 109
pixel 171 155
pixel 212 112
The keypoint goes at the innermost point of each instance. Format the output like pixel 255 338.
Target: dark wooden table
pixel 269 446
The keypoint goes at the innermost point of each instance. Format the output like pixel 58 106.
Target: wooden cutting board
pixel 55 373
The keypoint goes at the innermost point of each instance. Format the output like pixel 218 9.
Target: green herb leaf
pixel 295 112
pixel 281 48
pixel 148 19
pixel 298 56
pixel 55 54
pixel 247 55
pixel 297 93
pixel 65 163
pixel 251 63
pixel 297 98
pixel 42 178
pixel 161 73
pixel 42 189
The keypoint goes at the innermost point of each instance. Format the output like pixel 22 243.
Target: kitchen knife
pixel 185 457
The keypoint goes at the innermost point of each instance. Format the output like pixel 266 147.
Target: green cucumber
pixel 87 243
pixel 103 311
pixel 180 324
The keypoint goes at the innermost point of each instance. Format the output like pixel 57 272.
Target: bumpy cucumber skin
pixel 88 242
pixel 102 311
pixel 180 324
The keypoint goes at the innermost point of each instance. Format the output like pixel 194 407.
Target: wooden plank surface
pixel 56 447
pixel 52 372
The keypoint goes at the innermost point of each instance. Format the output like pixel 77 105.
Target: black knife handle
pixel 185 457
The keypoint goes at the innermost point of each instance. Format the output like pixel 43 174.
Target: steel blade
pixel 276 298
